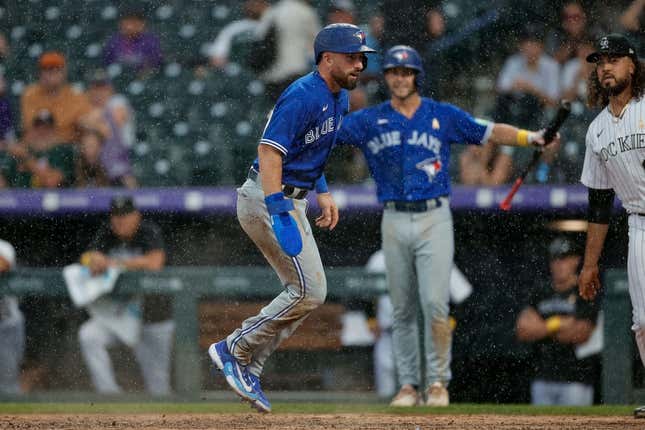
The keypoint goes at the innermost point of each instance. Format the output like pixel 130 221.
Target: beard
pixel 617 88
pixel 345 80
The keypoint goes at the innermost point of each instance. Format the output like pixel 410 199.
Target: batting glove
pixel 284 226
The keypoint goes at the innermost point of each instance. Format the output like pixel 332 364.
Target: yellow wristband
pixel 85 258
pixel 553 324
pixel 523 137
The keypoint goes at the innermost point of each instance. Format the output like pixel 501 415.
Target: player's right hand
pixel 589 282
pixel 536 138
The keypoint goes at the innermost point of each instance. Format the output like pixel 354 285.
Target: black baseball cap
pixel 122 205
pixel 562 247
pixel 612 44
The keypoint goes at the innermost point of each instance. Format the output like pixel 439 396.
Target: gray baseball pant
pixel 419 249
pixel 303 278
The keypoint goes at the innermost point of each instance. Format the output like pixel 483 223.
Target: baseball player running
pixel 271 207
pixel 614 165
pixel 406 142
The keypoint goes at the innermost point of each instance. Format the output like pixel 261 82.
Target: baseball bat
pixel 549 133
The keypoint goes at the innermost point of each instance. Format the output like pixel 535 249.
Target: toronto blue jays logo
pixel 360 35
pixel 401 55
pixel 431 166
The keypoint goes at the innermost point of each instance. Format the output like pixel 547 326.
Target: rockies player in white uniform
pixel 614 165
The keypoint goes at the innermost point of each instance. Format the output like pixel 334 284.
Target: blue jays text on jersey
pixel 303 127
pixel 409 157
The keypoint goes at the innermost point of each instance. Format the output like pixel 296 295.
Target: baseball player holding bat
pixel 615 165
pixel 406 142
pixel 271 208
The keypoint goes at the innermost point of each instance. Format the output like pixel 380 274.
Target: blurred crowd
pixel 81 130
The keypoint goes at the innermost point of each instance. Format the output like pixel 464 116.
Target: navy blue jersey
pixel 303 126
pixel 409 158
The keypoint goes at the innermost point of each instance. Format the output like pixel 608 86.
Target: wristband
pixel 553 324
pixel 85 258
pixel 277 204
pixel 522 137
pixel 321 185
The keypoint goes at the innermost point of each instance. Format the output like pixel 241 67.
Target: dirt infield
pixel 313 422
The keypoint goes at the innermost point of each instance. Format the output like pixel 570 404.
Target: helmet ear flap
pixel 364 61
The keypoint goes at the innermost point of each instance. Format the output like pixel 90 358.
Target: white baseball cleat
pixel 406 397
pixel 437 395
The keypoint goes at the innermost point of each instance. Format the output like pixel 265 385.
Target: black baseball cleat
pixel 639 412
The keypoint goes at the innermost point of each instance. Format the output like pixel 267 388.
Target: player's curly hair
pixel 596 97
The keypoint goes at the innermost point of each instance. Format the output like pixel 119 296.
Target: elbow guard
pixel 600 203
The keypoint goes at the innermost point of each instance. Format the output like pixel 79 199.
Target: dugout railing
pixel 620 363
pixel 188 286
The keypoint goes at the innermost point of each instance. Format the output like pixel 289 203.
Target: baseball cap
pixel 341 37
pixel 562 247
pixel 612 44
pixel 122 205
pixel 43 117
pixel 51 60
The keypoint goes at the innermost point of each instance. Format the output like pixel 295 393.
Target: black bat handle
pixel 561 115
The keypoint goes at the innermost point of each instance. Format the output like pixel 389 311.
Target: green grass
pixel 305 408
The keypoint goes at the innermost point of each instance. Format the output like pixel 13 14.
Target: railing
pixel 187 285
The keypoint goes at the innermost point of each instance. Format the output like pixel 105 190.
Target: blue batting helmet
pixel 404 56
pixel 343 38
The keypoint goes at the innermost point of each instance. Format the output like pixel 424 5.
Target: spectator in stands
pixel 132 46
pixel 89 170
pixel 12 329
pixel 5 49
pixel 575 72
pixel 7 133
pixel 293 24
pixel 563 44
pixel 374 38
pixel 341 11
pixel 530 72
pixel 633 22
pixel 130 243
pixel 220 49
pixel 558 321
pixel 485 165
pixel 113 116
pixel 53 93
pixel 438 69
pixel 41 160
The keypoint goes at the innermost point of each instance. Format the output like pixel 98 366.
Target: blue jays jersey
pixel 409 158
pixel 303 126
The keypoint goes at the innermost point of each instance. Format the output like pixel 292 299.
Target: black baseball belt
pixel 413 206
pixel 289 190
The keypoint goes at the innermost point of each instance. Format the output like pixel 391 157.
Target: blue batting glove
pixel 284 226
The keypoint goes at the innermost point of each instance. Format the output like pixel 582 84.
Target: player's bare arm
pixel 530 326
pixel 574 331
pixel 270 161
pixel 505 134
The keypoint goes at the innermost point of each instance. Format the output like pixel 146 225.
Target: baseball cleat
pixel 437 395
pixel 261 404
pixel 406 397
pixel 236 375
pixel 639 412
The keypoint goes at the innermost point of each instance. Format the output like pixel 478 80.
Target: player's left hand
pixel 329 216
pixel 536 138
